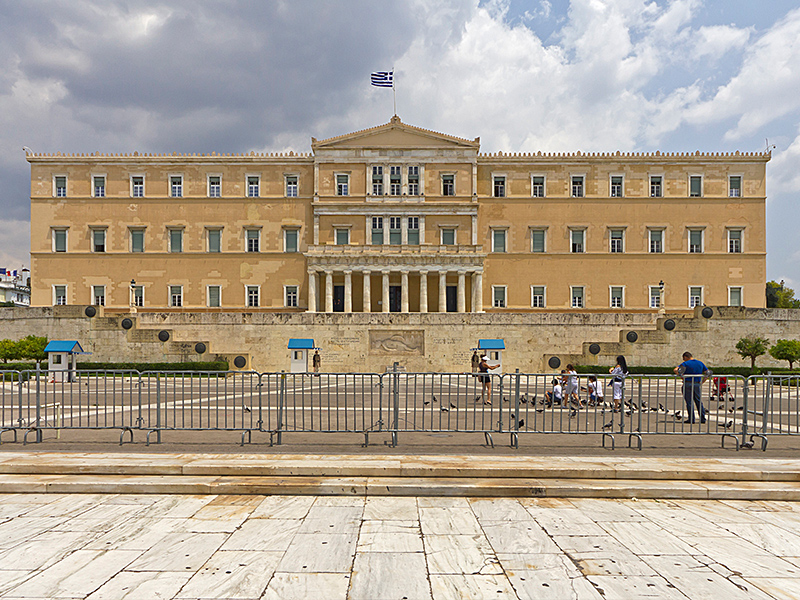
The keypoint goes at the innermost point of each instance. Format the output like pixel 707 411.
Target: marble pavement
pixel 151 546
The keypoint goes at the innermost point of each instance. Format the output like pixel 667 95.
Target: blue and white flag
pixel 383 79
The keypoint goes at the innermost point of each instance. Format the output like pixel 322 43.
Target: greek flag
pixel 382 79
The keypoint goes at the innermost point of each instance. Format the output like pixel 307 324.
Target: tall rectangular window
pixel 499 187
pixel 656 241
pixel 253 186
pixel 291 296
pixel 448 237
pixel 214 186
pixel 98 240
pixel 342 185
pixel 377 231
pixel 413 181
pixel 395 180
pixel 735 186
pixel 137 240
pixel 176 295
pixel 577 240
pixel 656 186
pixel 176 240
pixel 537 296
pixel 448 185
pixel 59 295
pixel 395 232
pixel 292 186
pixel 413 231
pixel 734 241
pixel 342 237
pixel 537 240
pixel 695 186
pixel 214 240
pixel 290 240
pixel 616 186
pixel 695 241
pixel 734 296
pixel 252 295
pixel 499 296
pixel 99 185
pixel 59 240
pixel 616 296
pixel 137 295
pixel 377 180
pixel 576 293
pixel 577 186
pixel 214 295
pixel 253 237
pixel 537 186
pixel 176 186
pixel 695 296
pixel 61 187
pixel 137 187
pixel 498 240
pixel 617 237
pixel 655 296
pixel 99 295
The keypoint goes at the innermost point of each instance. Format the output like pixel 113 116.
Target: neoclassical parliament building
pixel 397 218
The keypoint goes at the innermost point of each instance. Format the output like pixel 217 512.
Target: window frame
pixel 409 229
pixel 611 185
pixel 543 231
pixel 131 232
pixel 170 248
pixel 209 189
pixel 95 177
pixel 286 231
pixel 137 301
pixel 175 190
pixel 702 294
pixel 252 234
pixel 582 231
pixel 503 300
pixel 740 290
pixel 208 296
pixel 499 185
pixel 134 186
pixel 377 180
pixel 581 186
pixel 376 233
pixel 691 177
pixel 730 185
pixel 612 239
pixel 248 288
pixel 336 231
pixel 395 187
pixel 650 296
pixel 56 296
pixel 291 189
pixel 582 296
pixel 395 233
pixel 660 184
pixel 740 231
pixel 53 232
pixel 287 297
pixel 448 228
pixel 94 231
pixel 650 232
pixel 534 184
pixel 418 176
pixel 56 188
pixel 95 295
pixel 451 190
pixel 208 232
pixel 250 187
pixel 171 296
pixel 498 231
pixel 611 296
pixel 341 188
pixel 534 295
pixel 702 244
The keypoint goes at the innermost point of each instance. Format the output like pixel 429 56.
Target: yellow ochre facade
pixel 399 219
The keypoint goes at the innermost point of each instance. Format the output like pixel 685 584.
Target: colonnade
pixel 326 287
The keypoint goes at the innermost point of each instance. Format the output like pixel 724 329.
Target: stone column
pixel 477 284
pixel 367 292
pixel 348 291
pixel 442 291
pixel 462 291
pixel 423 291
pixel 404 291
pixel 385 290
pixel 385 230
pixel 404 230
pixel 312 291
pixel 328 291
pixel 474 230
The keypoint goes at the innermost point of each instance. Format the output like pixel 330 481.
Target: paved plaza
pixel 284 547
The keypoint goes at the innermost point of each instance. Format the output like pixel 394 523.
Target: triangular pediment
pixel 394 134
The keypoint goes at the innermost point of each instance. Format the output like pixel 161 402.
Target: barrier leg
pixel 732 436
pixel 609 435
pixel 122 434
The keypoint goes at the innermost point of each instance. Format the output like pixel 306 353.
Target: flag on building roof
pixel 2 270
pixel 382 79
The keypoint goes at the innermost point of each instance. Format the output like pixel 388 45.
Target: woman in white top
pixel 620 372
pixel 572 385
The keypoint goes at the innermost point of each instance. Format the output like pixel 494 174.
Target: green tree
pixel 9 350
pixel 32 347
pixel 780 296
pixel 788 350
pixel 752 348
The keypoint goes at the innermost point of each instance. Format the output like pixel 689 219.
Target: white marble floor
pixel 395 548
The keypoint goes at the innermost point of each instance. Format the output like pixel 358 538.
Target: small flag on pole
pixel 382 79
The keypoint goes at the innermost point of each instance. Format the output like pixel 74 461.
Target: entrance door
pixel 452 298
pixel 338 298
pixel 395 297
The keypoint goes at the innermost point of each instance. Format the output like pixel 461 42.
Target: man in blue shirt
pixel 694 374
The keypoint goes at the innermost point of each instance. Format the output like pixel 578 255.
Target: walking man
pixel 316 361
pixel 475 361
pixel 694 374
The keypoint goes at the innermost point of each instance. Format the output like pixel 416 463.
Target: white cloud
pixel 716 40
pixel 15 240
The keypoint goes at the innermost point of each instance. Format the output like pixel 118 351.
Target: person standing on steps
pixel 486 379
pixel 694 374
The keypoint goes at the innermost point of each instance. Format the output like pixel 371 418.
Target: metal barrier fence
pixel 516 404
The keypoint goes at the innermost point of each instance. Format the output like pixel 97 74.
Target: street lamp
pixel 661 309
pixel 133 297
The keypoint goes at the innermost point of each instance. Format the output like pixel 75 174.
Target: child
pixel 595 391
pixel 555 395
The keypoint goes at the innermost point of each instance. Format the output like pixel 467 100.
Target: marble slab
pixel 15 531
pixel 781 588
pixel 332 519
pixel 136 534
pixel 561 563
pixel 551 585
pixel 43 550
pixel 567 521
pixel 319 553
pixel 391 508
pixel 389 576
pixel 179 552
pixel 519 536
pixel 390 536
pixel 742 557
pixel 499 509
pixel 628 587
pixel 305 586
pixel 232 575
pixel 619 565
pixel 446 520
pixel 273 535
pixel 461 555
pixel 775 540
pixel 590 546
pixel 646 538
pixel 283 507
pixel 474 587
pixel 176 506
pixel 10 579
pixel 129 585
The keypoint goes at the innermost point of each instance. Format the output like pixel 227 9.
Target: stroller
pixel 720 390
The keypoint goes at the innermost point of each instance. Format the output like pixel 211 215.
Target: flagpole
pixel 394 93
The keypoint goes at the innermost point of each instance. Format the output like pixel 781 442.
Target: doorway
pixel 338 298
pixel 452 298
pixel 395 297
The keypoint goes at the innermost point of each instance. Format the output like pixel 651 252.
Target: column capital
pixel 348 271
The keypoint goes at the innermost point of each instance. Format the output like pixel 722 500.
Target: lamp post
pixel 661 309
pixel 133 297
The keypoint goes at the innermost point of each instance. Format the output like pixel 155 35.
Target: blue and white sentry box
pixel 299 348
pixel 62 359
pixel 494 350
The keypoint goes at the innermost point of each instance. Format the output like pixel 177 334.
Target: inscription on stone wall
pixel 397 342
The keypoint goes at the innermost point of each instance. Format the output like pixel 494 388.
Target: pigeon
pixel 425 402
pixel 521 423
pixel 608 425
pixel 661 407
pixel 477 398
pixel 523 399
pixel 246 409
pixel 572 413
pixel 677 415
pixel 445 409
pixel 740 408
pixel 731 409
pixel 728 425
pixel 453 405
pixel 434 399
pixel 505 399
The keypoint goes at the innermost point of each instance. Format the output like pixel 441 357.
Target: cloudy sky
pixel 524 75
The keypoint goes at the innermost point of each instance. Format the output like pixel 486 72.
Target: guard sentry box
pixel 298 354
